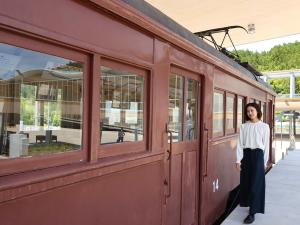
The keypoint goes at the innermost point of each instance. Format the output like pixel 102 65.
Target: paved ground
pixel 282 195
pixel 282 145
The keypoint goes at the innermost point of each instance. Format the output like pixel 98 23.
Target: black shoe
pixel 249 219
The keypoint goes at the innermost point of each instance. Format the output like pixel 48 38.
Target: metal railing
pixel 287 96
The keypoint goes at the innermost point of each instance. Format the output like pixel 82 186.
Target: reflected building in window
pixel 40 103
pixel 176 84
pixel 121 106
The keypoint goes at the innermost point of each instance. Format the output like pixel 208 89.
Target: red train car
pixel 111 113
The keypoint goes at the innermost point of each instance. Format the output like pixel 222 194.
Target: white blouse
pixel 253 135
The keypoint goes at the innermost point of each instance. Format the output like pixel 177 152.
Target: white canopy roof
pixel 272 19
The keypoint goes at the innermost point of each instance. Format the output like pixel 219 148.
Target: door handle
pixel 205 150
pixel 169 154
pixel 167 180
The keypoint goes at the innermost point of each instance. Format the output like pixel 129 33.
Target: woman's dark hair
pixel 257 107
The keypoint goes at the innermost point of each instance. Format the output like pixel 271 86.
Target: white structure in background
pixel 18 145
pixel 288 104
pixel 292 74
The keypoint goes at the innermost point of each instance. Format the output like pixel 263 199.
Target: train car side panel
pixel 78 23
pixel 127 197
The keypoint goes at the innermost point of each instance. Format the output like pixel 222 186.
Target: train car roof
pixel 173 26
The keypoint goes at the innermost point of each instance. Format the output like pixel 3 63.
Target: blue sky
pixel 268 44
pixel 13 58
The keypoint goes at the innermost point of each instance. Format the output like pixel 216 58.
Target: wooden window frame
pixel 232 130
pixel 108 150
pixel 243 110
pixel 179 147
pixel 16 165
pixel 259 103
pixel 264 112
pixel 197 79
pixel 188 75
pixel 178 72
pixel 222 133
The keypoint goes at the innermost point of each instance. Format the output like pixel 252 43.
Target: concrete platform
pixel 282 195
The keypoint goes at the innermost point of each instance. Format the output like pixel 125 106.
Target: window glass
pixel 262 107
pixel 229 112
pixel 175 106
pixel 240 107
pixel 218 113
pixel 121 106
pixel 40 103
pixel 191 110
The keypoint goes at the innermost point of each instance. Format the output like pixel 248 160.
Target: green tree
pixel 297 88
pixel 280 57
pixel 281 86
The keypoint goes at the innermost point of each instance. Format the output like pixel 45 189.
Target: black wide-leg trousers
pixel 252 181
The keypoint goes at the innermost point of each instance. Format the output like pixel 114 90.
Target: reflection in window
pixel 218 113
pixel 191 109
pixel 262 107
pixel 175 106
pixel 240 106
pixel 40 103
pixel 122 106
pixel 229 112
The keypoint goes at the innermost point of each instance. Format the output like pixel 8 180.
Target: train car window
pixel 263 110
pixel 218 114
pixel 40 103
pixel 252 100
pixel 191 109
pixel 176 84
pixel 121 106
pixel 240 114
pixel 230 114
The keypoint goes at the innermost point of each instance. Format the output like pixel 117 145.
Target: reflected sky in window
pixel 14 59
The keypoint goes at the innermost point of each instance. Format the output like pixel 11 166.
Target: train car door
pixel 182 154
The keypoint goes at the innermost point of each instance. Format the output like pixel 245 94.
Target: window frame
pixel 222 133
pixel 180 73
pixel 252 100
pixel 108 150
pixel 243 110
pixel 185 144
pixel 231 130
pixel 263 105
pixel 187 75
pixel 30 42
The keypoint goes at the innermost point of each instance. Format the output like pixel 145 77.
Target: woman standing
pixel 252 157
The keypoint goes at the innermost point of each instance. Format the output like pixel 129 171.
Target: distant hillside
pixel 281 57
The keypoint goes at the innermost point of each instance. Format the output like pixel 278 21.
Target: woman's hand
pixel 238 166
